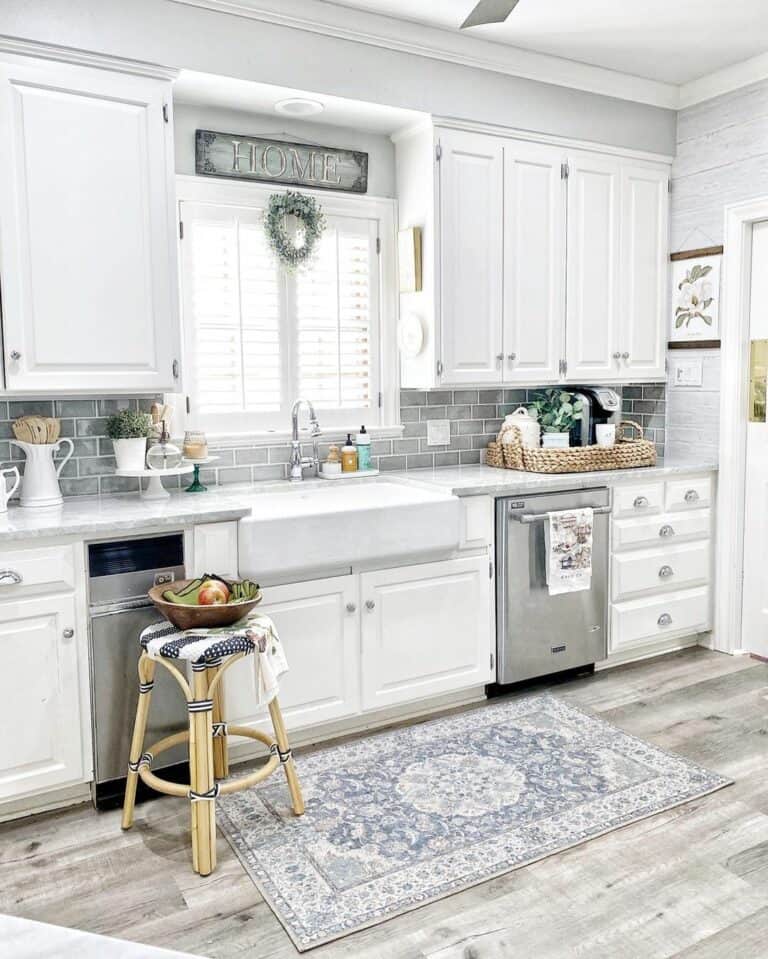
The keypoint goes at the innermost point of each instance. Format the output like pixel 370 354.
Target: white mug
pixel 5 493
pixel 605 433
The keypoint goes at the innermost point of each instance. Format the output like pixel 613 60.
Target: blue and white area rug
pixel 405 817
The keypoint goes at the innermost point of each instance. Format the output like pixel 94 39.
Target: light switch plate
pixel 438 432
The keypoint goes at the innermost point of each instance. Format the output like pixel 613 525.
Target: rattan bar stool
pixel 207 737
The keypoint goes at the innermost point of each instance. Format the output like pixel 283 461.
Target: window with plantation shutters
pixel 257 337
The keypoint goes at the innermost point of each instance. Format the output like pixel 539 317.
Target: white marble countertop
pixel 94 517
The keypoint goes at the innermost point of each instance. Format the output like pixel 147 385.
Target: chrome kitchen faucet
pixel 299 462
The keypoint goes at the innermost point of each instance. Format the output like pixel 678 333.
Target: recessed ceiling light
pixel 299 107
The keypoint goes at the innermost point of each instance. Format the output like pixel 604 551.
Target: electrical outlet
pixel 438 432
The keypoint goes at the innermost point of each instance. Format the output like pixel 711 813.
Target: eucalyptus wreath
pixel 308 211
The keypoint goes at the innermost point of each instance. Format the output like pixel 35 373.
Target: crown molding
pixel 373 29
pixel 724 81
pixel 85 58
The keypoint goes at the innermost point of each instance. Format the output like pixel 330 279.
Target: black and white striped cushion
pixel 218 646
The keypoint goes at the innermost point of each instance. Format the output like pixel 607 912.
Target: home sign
pixel 279 161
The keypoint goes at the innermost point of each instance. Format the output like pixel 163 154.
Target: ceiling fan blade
pixel 490 11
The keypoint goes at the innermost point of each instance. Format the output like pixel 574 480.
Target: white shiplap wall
pixel 722 158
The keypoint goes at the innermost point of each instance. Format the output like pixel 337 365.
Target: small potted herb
pixel 128 430
pixel 557 411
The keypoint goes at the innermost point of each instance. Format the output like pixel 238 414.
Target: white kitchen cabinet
pixel 318 624
pixel 643 269
pixel 426 630
pixel 471 263
pixel 534 262
pixel 594 298
pixel 214 550
pixel 41 709
pixel 87 230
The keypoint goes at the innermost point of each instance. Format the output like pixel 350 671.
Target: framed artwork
pixel 695 306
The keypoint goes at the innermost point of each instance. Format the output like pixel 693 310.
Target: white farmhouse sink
pixel 344 523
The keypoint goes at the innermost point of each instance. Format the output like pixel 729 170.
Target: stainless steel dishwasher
pixel 120 573
pixel 538 634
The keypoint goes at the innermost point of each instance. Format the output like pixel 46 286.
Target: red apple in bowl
pixel 214 594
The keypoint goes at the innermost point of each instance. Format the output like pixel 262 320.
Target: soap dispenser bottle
pixel 363 443
pixel 348 456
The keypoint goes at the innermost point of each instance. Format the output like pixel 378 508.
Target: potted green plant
pixel 128 430
pixel 557 411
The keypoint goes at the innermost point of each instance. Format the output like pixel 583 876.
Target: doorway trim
pixel 734 333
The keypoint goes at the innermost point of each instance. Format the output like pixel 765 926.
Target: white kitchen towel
pixel 163 641
pixel 568 550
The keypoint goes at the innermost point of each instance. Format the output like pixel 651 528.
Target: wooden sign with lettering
pixel 278 161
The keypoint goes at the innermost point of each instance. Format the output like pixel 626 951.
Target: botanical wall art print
pixel 696 295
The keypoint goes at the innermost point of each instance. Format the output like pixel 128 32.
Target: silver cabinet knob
pixel 691 496
pixel 15 355
pixel 640 502
pixel 666 530
pixel 625 356
pixel 369 604
pixel 9 577
pixel 499 357
pixel 511 357
pixel 665 572
pixel 68 633
pixel 351 607
pixel 664 620
pixel 617 355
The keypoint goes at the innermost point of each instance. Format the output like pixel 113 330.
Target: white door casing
pixel 87 229
pixel 534 262
pixel 471 257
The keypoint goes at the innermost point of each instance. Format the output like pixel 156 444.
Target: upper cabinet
pixel 87 229
pixel 549 263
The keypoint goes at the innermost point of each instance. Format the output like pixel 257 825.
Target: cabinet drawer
pixel 641 621
pixel 689 493
pixel 666 528
pixel 44 569
pixel 663 569
pixel 638 500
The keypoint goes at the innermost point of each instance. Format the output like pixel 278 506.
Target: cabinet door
pixel 592 322
pixel 87 230
pixel 40 709
pixel 215 549
pixel 426 630
pixel 318 623
pixel 644 246
pixel 471 260
pixel 534 263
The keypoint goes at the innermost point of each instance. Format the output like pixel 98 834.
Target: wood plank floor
pixel 690 883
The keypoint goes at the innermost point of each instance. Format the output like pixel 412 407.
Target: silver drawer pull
pixel 369 604
pixel 640 502
pixel 665 620
pixel 665 572
pixel 691 496
pixel 9 577
pixel 68 633
pixel 666 530
pixel 351 607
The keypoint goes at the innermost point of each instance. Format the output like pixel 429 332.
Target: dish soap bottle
pixel 332 466
pixel 348 456
pixel 363 442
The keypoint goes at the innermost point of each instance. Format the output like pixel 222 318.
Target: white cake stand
pixel 155 488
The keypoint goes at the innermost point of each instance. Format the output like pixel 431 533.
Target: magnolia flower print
pixel 694 297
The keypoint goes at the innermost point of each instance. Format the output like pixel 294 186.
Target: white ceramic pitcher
pixel 5 493
pixel 41 475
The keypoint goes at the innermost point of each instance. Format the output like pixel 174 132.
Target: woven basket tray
pixel 625 454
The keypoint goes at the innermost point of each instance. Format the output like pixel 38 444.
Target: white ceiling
pixel 673 41
pixel 229 93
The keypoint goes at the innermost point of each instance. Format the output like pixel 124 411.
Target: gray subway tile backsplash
pixel 475 416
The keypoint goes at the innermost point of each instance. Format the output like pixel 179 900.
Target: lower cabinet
pixel 425 630
pixel 41 708
pixel 371 640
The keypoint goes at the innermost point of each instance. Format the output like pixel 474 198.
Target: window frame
pixel 223 192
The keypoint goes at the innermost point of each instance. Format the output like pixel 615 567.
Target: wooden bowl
pixel 199 617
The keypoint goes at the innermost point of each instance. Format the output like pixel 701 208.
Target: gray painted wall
pixel 722 158
pixel 187 118
pixel 198 39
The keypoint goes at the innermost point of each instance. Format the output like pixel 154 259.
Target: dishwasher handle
pixel 121 606
pixel 535 517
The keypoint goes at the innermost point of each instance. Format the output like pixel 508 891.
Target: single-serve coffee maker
pixel 600 404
